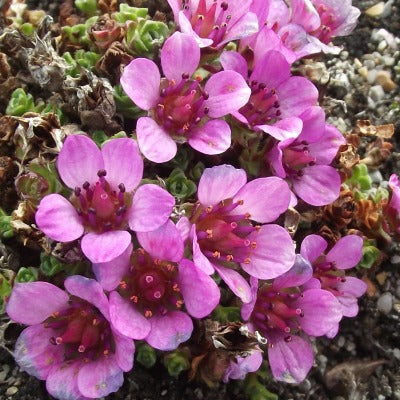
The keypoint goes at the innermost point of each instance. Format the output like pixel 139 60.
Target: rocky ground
pixel 363 361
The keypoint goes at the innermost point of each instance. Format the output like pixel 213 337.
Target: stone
pixel 11 391
pixel 385 303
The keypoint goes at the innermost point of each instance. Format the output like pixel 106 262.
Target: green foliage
pixel 180 186
pixel 256 390
pixel 226 314
pixel 125 105
pixel 80 59
pixel 146 355
pixel 89 7
pixel 77 34
pixel 29 274
pixel 6 230
pixel 21 103
pixel 50 266
pixel 360 178
pixel 128 13
pixel 370 255
pixel 176 362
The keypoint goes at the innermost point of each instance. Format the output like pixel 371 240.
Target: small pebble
pixel 385 303
pixel 396 353
pixel 341 341
pixel 383 78
pixel 382 45
pixel 11 391
pixel 305 386
pixel 164 392
pixel 369 64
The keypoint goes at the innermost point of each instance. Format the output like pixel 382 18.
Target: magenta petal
pixel 79 161
pixel 228 91
pixel 319 185
pixel 141 82
pixel 151 208
pixel 287 128
pixel 232 60
pixel 89 290
pixel 126 319
pixel 154 142
pixel 347 252
pixel 122 163
pixel 274 253
pixel 220 183
pixel 235 282
pixel 105 247
pixel 214 137
pixel 43 299
pixel 184 227
pixel 200 292
pixel 199 258
pixel 312 247
pixel 58 219
pixel 265 199
pixel 242 366
pixel 165 243
pixel 109 274
pixel 246 26
pixel 350 290
pixel 289 361
pixel 100 378
pixel 298 275
pixel 321 311
pixel 313 125
pixel 170 330
pixel 62 382
pixel 247 308
pixel 33 352
pixel 179 55
pixel 124 351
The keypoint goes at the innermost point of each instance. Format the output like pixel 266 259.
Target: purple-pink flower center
pixel 151 285
pixel 328 23
pixel 209 23
pixel 273 311
pixel 328 275
pixel 295 157
pixel 100 207
pixel 263 105
pixel 83 331
pixel 180 107
pixel 221 236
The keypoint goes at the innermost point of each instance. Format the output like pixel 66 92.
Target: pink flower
pixel 180 108
pixel 103 204
pixel 150 289
pixel 392 208
pixel 214 22
pixel 239 368
pixel 329 270
pixel 70 342
pixel 224 236
pixel 285 314
pixel 277 99
pixel 304 160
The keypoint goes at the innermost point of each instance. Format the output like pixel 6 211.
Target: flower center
pixel 181 106
pixel 263 105
pixel 82 330
pixel 222 237
pixel 328 275
pixel 328 24
pixel 100 207
pixel 296 157
pixel 209 23
pixel 273 311
pixel 151 285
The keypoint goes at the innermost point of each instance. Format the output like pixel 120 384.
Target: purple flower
pixel 214 22
pixel 285 313
pixel 277 99
pixel 102 205
pixel 223 235
pixel 239 368
pixel 150 289
pixel 304 161
pixel 329 270
pixel 180 108
pixel 392 208
pixel 70 342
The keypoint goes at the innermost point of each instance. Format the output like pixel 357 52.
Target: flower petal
pixel 312 247
pixel 105 247
pixel 151 208
pixel 141 82
pixel 62 382
pixel 220 183
pixel 350 290
pixel 228 91
pixel 199 258
pixel 124 351
pixel 289 361
pixel 179 55
pixel 274 253
pixel 126 319
pixel 154 142
pixel 184 227
pixel 232 60
pixel 214 137
pixel 265 199
pixel 89 290
pixel 170 330
pixel 109 274
pixel 287 128
pixel 298 275
pixel 79 161
pixel 235 282
pixel 33 352
pixel 242 366
pixel 100 378
pixel 43 299
pixel 165 243
pixel 200 292
pixel 58 219
pixel 247 308
pixel 123 163
pixel 347 252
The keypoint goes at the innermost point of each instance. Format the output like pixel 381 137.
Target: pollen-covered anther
pixel 209 209
pixel 217 254
pixel 148 314
pixel 229 257
pixel 175 287
pixel 247 215
pixel 247 261
pixel 179 303
pixel 253 245
pixel 209 233
pixel 134 299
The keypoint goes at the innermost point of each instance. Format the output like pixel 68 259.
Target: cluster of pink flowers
pixel 154 270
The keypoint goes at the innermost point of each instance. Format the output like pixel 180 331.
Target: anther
pixel 101 172
pixel 206 110
pixel 288 339
pixel 121 210
pixel 229 257
pixel 209 233
pixel 134 299
pixel 246 261
pixel 179 303
pixel 59 340
pixel 253 245
pixel 92 210
pixel 185 75
pixel 121 188
pixel 217 254
pixel 148 314
pixel 175 287
pixel 81 348
pixel 77 191
pixel 224 5
pixel 86 185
